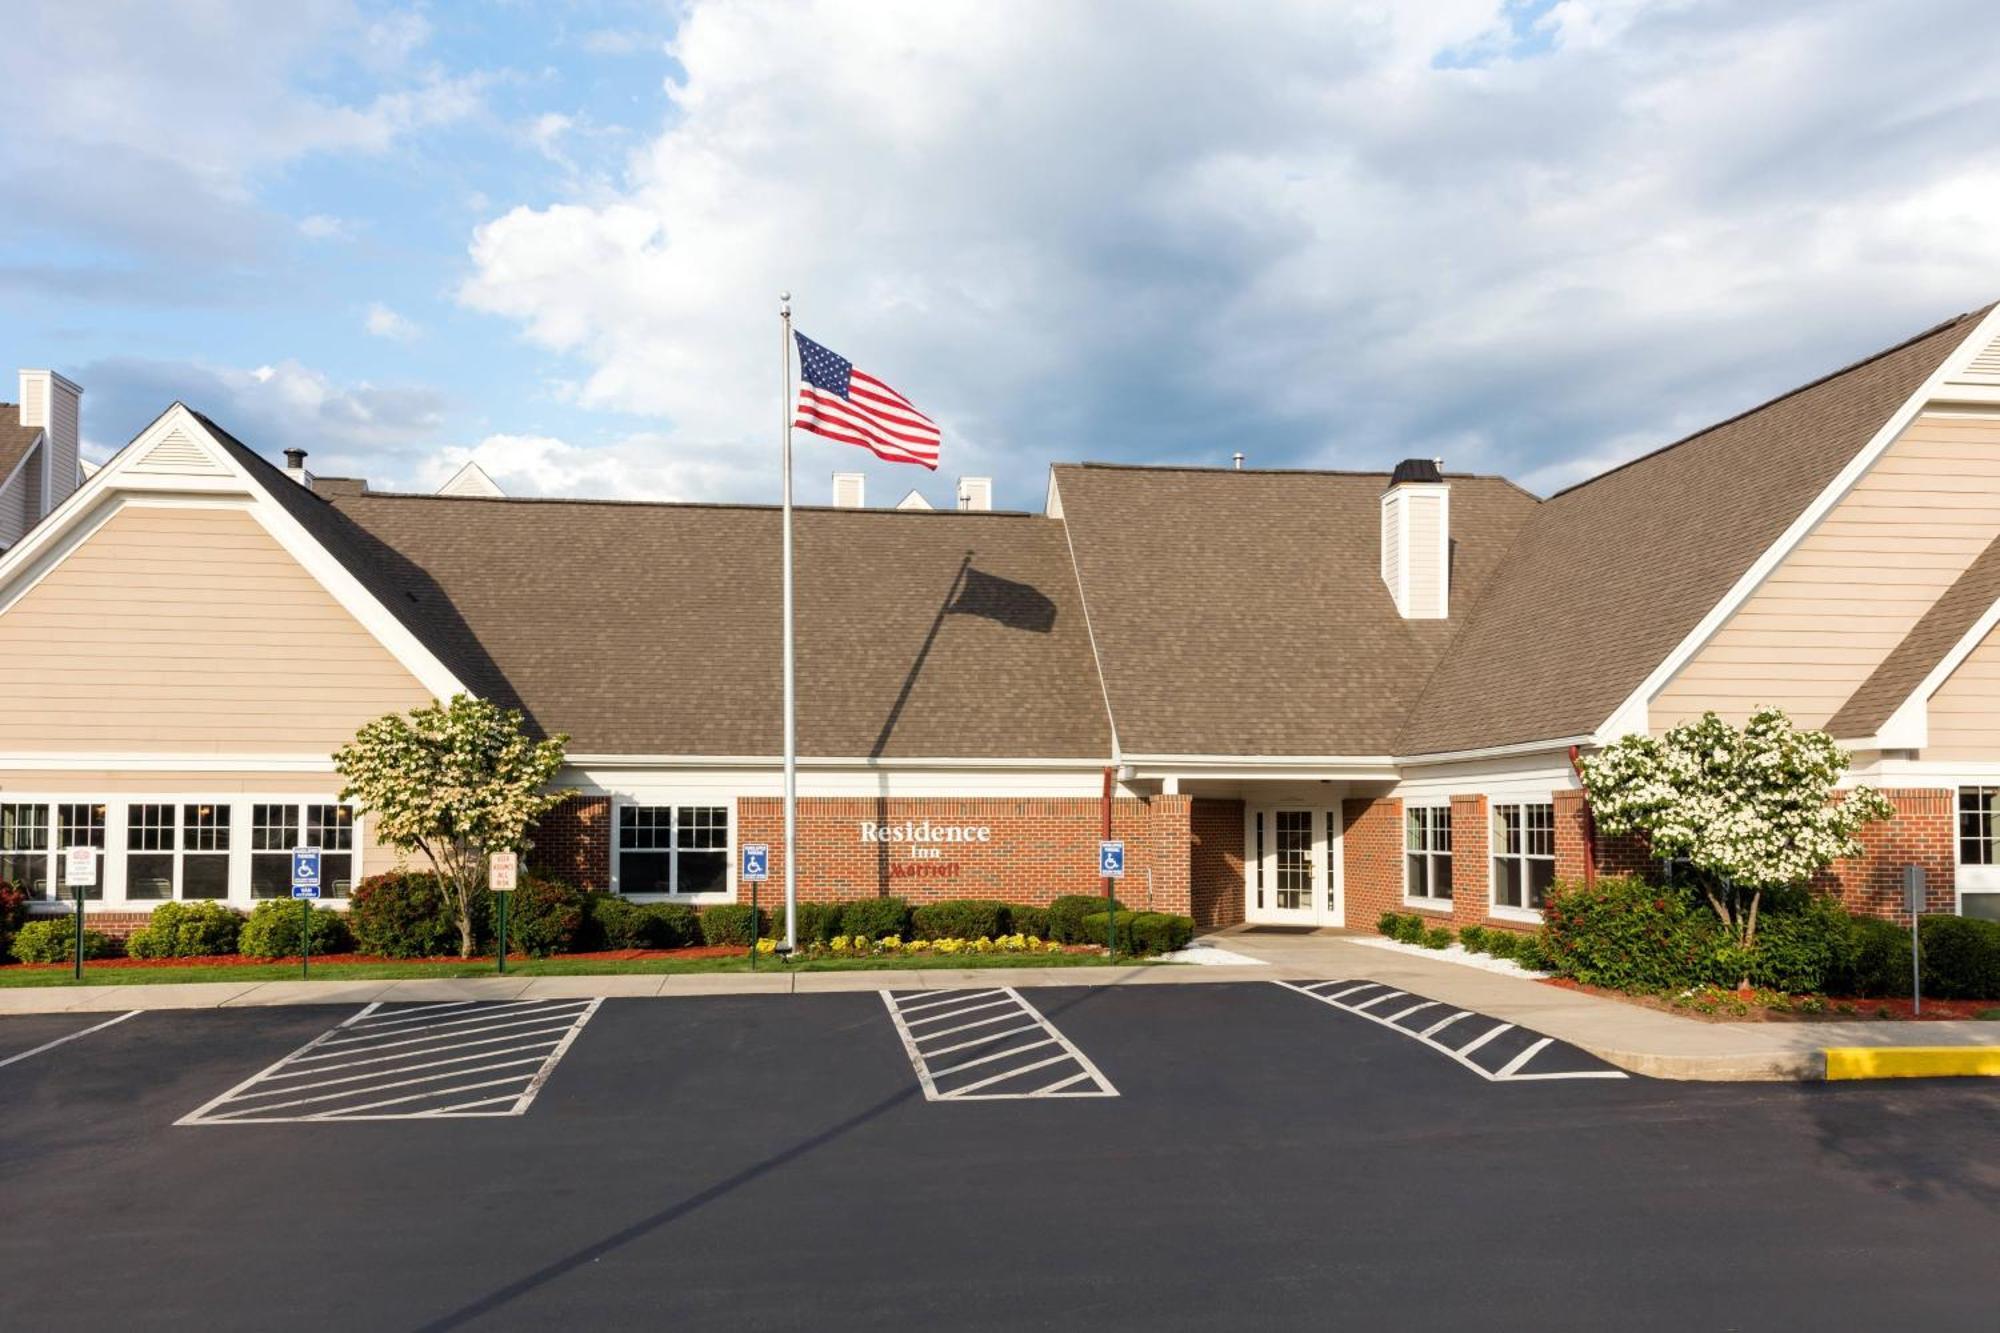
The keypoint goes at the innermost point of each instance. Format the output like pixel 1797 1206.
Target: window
pixel 149 851
pixel 1427 853
pixel 331 829
pixel 274 831
pixel 1524 856
pixel 24 848
pixel 681 850
pixel 79 825
pixel 205 850
pixel 1978 865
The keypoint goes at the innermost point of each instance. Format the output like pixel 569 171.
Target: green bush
pixel 730 923
pixel 1499 943
pixel 1435 937
pixel 53 940
pixel 403 914
pixel 1804 940
pixel 1530 952
pixel 1066 916
pixel 1626 934
pixel 1023 920
pixel 1473 938
pixel 13 912
pixel 1390 924
pixel 872 918
pixel 612 922
pixel 1961 957
pixel 1160 932
pixel 273 931
pixel 960 919
pixel 818 923
pixel 186 930
pixel 1876 961
pixel 545 917
pixel 1410 929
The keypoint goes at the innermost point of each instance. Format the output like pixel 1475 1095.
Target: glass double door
pixel 1291 879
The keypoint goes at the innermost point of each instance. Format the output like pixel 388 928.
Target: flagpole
pixel 791 717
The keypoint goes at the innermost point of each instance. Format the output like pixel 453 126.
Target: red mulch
pixel 1836 1010
pixel 335 959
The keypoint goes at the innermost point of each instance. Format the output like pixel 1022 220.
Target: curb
pixel 1857 1062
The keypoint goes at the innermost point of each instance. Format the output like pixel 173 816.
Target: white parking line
pixel 1514 1071
pixel 431 1067
pixel 51 1045
pixel 1067 1072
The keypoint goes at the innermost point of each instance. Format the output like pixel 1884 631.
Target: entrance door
pixel 1284 868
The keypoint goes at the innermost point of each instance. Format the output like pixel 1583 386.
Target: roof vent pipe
pixel 1238 456
pixel 295 467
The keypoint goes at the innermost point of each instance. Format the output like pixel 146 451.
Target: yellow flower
pixel 1053 947
pixel 767 946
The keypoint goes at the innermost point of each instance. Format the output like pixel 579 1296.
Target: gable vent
pixel 178 453
pixel 1983 368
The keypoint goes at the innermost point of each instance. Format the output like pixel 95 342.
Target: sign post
pixel 1111 865
pixel 305 888
pixel 756 868
pixel 1913 898
pixel 80 869
pixel 502 869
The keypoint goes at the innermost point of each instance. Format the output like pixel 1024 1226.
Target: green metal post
pixel 79 932
pixel 305 935
pixel 502 910
pixel 1111 924
pixel 754 932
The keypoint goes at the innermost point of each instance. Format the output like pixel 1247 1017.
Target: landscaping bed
pixel 1720 1005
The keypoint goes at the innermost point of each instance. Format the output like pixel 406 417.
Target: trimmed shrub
pixel 186 930
pixel 1067 913
pixel 730 923
pixel 1500 943
pixel 53 940
pixel 960 919
pixel 1435 937
pixel 1410 929
pixel 403 914
pixel 1876 961
pixel 1804 941
pixel 1028 921
pixel 818 923
pixel 13 913
pixel 545 917
pixel 1961 957
pixel 1530 952
pixel 1629 935
pixel 1160 932
pixel 872 918
pixel 272 931
pixel 1473 938
pixel 1390 924
pixel 612 922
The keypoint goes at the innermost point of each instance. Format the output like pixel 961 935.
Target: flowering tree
pixel 1751 810
pixel 454 781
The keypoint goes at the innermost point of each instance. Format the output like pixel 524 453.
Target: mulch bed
pixel 1836 1010
pixel 337 959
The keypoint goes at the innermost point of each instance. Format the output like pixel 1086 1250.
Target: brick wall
pixel 573 842
pixel 1471 870
pixel 1040 848
pixel 1924 832
pixel 1215 863
pixel 1372 857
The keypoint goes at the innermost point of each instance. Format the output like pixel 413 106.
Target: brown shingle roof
pixel 1609 576
pixel 1243 612
pixel 1948 620
pixel 654 628
pixel 15 439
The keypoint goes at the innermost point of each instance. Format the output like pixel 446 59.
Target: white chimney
pixel 54 405
pixel 850 490
pixel 295 467
pixel 975 493
pixel 1416 540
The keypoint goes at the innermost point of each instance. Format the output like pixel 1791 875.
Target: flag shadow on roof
pixel 990 597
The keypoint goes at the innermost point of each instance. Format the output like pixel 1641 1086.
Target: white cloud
pixel 324 227
pixel 1282 228
pixel 382 322
pixel 636 466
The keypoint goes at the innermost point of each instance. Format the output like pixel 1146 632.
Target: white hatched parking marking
pixel 428 1062
pixel 1515 1070
pixel 51 1045
pixel 1001 1064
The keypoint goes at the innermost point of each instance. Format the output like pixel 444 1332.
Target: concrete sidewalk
pixel 1645 1041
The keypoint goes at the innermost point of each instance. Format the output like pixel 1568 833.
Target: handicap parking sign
pixel 305 872
pixel 1111 858
pixel 756 860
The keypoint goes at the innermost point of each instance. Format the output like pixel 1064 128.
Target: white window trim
pixel 725 894
pixel 1404 853
pixel 1496 909
pixel 1980 879
pixel 112 867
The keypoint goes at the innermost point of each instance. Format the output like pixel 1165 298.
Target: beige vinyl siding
pixel 1847 594
pixel 1964 714
pixel 189 629
pixel 1394 515
pixel 1424 512
pixel 21 500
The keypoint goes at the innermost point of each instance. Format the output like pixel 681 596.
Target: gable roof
pixel 15 439
pixel 1242 612
pixel 1610 576
pixel 1949 620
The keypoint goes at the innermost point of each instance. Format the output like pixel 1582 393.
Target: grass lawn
pixel 333 970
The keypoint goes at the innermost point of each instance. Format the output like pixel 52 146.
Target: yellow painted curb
pixel 1843 1062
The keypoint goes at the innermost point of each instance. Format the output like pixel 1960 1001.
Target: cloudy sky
pixel 1533 238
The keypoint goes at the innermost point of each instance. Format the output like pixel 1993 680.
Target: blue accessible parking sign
pixel 305 872
pixel 1111 858
pixel 756 860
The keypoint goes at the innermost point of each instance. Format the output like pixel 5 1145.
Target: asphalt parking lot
pixel 1167 1156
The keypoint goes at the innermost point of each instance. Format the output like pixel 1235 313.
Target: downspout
pixel 1589 821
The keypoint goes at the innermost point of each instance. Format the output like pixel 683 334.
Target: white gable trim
pixel 1631 715
pixel 217 478
pixel 1908 728
pixel 21 465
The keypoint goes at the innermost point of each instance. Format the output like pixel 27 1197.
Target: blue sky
pixel 1533 238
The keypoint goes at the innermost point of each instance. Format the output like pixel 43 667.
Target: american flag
pixel 845 404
